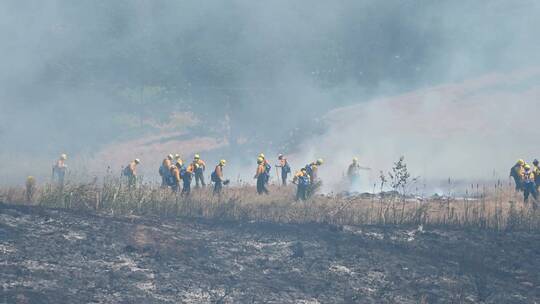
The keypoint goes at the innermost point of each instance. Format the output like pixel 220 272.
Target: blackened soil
pixel 55 256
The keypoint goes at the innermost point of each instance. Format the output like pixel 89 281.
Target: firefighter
pixel 267 168
pixel 353 172
pixel 174 176
pixel 516 172
pixel 187 175
pixel 313 169
pixel 536 171
pixel 529 185
pixel 130 171
pixel 30 188
pixel 59 170
pixel 217 177
pixel 199 171
pixel 285 169
pixel 165 170
pixel 302 181
pixel 261 177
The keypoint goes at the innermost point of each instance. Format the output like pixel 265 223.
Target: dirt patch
pixel 54 256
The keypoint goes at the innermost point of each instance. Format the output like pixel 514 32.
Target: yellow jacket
pixel 536 171
pixel 260 170
pixel 528 176
pixel 175 172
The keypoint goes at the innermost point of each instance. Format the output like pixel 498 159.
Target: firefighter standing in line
pixel 302 180
pixel 529 186
pixel 165 170
pixel 174 179
pixel 217 177
pixel 199 171
pixel 536 171
pixel 187 175
pixel 285 169
pixel 59 170
pixel 516 172
pixel 130 171
pixel 261 177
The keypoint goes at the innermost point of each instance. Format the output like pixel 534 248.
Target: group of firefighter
pixel 178 176
pixel 526 178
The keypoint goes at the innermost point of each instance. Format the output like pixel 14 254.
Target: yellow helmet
pixel 63 156
pixel 177 156
pixel 527 167
pixel 179 162
pixel 260 160
pixel 261 156
pixel 320 161
pixel 222 162
pixel 137 161
pixel 355 159
pixel 521 162
pixel 197 156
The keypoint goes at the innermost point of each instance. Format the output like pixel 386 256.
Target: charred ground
pixel 59 256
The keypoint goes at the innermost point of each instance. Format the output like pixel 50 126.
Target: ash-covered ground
pixel 56 256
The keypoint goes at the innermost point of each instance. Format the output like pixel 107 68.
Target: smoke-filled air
pixel 453 86
pixel 284 151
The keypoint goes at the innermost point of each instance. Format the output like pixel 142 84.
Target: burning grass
pixel 499 208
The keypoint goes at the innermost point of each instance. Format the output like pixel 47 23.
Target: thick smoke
pixel 472 130
pixel 86 77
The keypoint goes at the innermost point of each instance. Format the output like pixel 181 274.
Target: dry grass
pixel 498 208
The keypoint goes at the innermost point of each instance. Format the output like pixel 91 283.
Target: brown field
pixel 498 208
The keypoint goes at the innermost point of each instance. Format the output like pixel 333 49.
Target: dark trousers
pixel 175 187
pixel 519 183
pixel 261 184
pixel 217 187
pixel 132 181
pixel 301 192
pixel 199 179
pixel 186 189
pixel 529 189
pixel 284 178
pixel 164 182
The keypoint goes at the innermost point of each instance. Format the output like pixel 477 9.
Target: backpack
pixel 214 178
pixel 286 168
pixel 127 171
pixel 164 171
pixel 183 172
pixel 267 169
pixel 309 169
pixel 303 180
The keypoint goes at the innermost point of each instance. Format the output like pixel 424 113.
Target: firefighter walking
pixel 217 177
